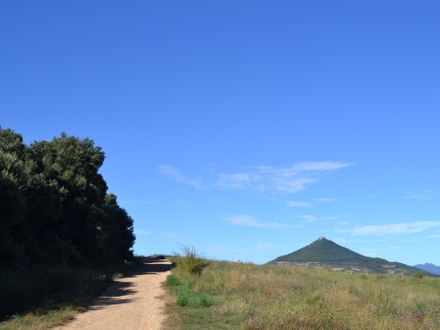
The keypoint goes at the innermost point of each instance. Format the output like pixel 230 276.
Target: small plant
pixel 314 298
pixel 363 276
pixel 419 275
pixel 183 299
pixel 205 301
pixel 117 276
pixel 191 261
pixel 172 281
pixel 421 306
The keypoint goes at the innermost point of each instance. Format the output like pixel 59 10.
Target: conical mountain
pixel 327 254
pixel 321 250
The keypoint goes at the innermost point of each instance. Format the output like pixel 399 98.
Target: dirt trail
pixel 130 303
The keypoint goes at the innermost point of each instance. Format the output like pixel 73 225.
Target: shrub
pixel 419 275
pixel 182 299
pixel 205 301
pixel 191 261
pixel 172 281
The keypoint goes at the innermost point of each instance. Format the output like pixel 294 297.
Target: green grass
pixel 45 296
pixel 228 295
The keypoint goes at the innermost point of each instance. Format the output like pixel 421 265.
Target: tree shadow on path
pixel 121 291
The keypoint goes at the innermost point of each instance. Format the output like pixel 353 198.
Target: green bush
pixel 191 261
pixel 205 301
pixel 172 281
pixel 183 299
pixel 419 275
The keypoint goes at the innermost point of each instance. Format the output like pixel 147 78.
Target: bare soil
pixel 132 302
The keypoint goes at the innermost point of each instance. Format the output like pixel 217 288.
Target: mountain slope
pixel 325 253
pixel 429 268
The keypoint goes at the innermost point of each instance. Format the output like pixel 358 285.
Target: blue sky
pixel 244 128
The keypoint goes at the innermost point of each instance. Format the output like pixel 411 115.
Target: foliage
pixel 186 296
pixel 172 281
pixel 55 210
pixel 419 275
pixel 190 261
pixel 246 296
pixel 54 206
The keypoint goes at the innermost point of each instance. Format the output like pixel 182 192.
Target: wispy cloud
pixel 250 221
pixel 325 199
pixel 371 252
pixel 174 174
pixel 171 235
pixel 140 232
pixel 298 204
pixel 373 195
pixel 237 180
pixel 309 217
pixel 185 203
pixel 390 229
pixel 262 246
pixel 421 195
pixel 432 236
pixel 312 218
pixel 343 240
pixel 216 248
pixel 284 180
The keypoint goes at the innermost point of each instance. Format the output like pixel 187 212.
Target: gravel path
pixel 130 303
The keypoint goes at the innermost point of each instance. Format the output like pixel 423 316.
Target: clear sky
pixel 244 128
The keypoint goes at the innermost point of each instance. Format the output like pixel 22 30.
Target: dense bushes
pixel 54 206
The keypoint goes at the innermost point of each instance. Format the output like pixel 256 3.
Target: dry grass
pixel 246 296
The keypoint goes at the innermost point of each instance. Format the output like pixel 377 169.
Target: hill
pixel 429 268
pixel 327 254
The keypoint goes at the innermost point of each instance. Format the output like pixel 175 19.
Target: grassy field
pixel 44 296
pixel 227 295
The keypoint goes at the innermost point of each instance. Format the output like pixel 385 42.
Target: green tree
pixel 54 205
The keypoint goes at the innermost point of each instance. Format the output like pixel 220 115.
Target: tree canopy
pixel 54 205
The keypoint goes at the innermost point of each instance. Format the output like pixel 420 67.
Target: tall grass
pixel 246 296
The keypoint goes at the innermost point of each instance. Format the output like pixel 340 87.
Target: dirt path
pixel 130 303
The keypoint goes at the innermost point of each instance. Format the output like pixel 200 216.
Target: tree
pixel 54 205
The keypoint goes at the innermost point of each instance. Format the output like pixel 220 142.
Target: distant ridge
pixel 429 268
pixel 325 253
